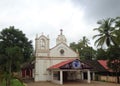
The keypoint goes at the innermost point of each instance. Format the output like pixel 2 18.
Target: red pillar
pixel 25 73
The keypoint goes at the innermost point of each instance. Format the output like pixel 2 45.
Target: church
pixel 58 64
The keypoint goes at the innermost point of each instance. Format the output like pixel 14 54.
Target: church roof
pixel 104 64
pixel 57 66
pixel 68 65
pixel 96 65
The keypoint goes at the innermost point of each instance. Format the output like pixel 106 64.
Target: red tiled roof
pixel 57 66
pixel 103 63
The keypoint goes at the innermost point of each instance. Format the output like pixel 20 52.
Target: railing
pixel 108 78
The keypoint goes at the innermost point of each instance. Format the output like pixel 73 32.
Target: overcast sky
pixel 77 18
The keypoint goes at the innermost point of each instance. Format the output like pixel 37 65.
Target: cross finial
pixel 61 31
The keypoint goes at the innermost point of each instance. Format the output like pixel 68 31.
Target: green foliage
pixel 14 82
pixel 109 33
pixel 114 58
pixel 106 32
pixel 15 49
pixel 86 53
pixel 74 46
pixel 84 41
pixel 117 22
pixel 117 39
pixel 15 56
pixel 84 50
pixel 101 54
pixel 11 37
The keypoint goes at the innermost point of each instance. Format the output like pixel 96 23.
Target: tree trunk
pixel 9 78
pixel 118 81
pixel 6 81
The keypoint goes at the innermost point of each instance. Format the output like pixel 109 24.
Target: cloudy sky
pixel 77 18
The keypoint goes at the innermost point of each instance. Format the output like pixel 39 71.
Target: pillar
pixel 88 75
pixel 93 75
pixel 82 75
pixel 61 77
pixel 51 75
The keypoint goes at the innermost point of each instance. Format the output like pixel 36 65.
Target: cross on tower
pixel 61 31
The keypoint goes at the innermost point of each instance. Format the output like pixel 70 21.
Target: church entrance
pixel 85 75
pixel 71 76
pixel 70 71
pixel 65 76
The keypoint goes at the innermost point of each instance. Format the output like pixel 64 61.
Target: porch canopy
pixel 71 69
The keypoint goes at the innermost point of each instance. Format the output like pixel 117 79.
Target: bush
pixel 14 82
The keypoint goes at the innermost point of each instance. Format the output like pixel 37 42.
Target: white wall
pixel 41 73
pixel 68 52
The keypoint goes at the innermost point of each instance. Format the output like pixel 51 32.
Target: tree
pixel 106 32
pixel 74 46
pixel 101 54
pixel 87 53
pixel 117 31
pixel 84 41
pixel 109 33
pixel 15 49
pixel 114 60
pixel 84 50
pixel 117 22
pixel 12 62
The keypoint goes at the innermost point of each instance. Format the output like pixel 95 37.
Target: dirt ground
pixel 93 83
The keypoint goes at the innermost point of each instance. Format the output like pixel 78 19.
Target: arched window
pixel 42 44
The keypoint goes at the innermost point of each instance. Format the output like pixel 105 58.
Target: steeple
pixel 61 38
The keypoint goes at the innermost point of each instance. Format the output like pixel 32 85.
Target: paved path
pixel 94 83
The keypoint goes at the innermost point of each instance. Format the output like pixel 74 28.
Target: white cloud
pixel 37 16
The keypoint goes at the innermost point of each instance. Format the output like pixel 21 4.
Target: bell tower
pixel 42 46
pixel 61 38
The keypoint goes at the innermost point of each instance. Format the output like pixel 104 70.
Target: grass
pixel 14 82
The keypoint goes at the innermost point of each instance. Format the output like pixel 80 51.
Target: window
pixel 62 52
pixel 42 44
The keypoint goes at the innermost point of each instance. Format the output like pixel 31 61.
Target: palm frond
pixel 117 18
pixel 106 30
pixel 97 36
pixel 99 41
pixel 114 40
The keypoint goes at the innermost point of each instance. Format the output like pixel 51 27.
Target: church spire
pixel 61 38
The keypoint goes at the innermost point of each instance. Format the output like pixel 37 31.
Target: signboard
pixel 76 64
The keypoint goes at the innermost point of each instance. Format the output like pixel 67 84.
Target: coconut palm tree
pixel 117 22
pixel 117 32
pixel 84 41
pixel 106 32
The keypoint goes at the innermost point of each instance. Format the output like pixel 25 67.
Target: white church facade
pixel 58 64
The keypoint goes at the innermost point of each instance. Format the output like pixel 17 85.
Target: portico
pixel 60 73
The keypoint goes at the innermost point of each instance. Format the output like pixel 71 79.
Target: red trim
pixel 57 66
